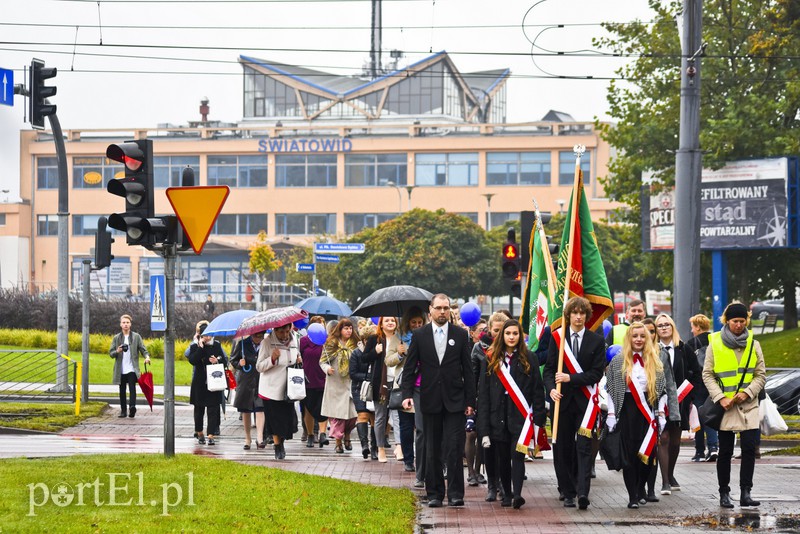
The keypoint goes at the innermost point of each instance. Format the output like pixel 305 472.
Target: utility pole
pixel 688 167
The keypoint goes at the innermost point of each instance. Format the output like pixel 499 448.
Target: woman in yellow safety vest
pixel 734 374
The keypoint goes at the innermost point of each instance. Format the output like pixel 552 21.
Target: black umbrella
pixel 393 301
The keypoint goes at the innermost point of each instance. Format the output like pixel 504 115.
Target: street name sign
pixel 326 258
pixel 305 267
pixel 340 248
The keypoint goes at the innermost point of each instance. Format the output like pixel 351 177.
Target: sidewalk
pixel 694 509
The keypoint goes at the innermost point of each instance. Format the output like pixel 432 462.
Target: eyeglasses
pixel 441 308
pixel 664 326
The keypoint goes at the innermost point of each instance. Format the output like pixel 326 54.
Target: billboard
pixel 744 205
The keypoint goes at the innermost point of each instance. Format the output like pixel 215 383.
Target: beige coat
pixel 336 399
pixel 272 381
pixel 742 416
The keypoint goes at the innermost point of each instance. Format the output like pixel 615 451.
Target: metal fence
pixel 39 376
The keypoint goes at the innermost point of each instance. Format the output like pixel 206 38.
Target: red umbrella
pixel 146 384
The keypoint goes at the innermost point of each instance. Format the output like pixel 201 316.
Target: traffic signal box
pixel 102 245
pixel 38 109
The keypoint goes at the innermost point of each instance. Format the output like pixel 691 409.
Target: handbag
pixel 612 448
pixel 366 387
pixel 396 399
pixel 711 413
pixel 771 420
pixel 215 377
pixel 231 379
pixel 295 383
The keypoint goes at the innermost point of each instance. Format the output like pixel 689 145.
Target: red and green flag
pixel 587 276
pixel 539 296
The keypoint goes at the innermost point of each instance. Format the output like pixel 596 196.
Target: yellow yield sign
pixel 197 209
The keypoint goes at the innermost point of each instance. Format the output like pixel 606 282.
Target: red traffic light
pixel 510 251
pixel 129 154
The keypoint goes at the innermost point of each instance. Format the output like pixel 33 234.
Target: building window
pixel 305 171
pixel 237 171
pixel 471 215
pixel 47 173
pixel 240 224
pixel 168 170
pixel 369 170
pixel 47 225
pixel 518 168
pixel 355 222
pixel 500 218
pixel 95 172
pixel 566 167
pixel 84 224
pixel 2 219
pixel 456 169
pixel 305 224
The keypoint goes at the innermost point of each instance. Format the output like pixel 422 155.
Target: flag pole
pixel 551 275
pixel 573 215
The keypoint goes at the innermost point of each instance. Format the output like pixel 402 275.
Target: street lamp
pixel 399 196
pixel 561 203
pixel 488 210
pixel 410 188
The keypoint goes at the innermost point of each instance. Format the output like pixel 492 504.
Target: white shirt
pixel 440 340
pixel 580 337
pixel 671 352
pixel 127 361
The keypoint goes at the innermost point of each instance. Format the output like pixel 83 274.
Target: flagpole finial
pixel 579 150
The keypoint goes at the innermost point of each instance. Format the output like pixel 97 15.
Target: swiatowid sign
pixel 743 206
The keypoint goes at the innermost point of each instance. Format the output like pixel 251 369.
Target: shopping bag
pixel 694 419
pixel 295 384
pixel 215 377
pixel 771 420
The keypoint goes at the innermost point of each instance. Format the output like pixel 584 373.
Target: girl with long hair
pixel 335 362
pixel 509 378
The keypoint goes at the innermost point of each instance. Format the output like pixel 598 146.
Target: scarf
pixel 733 341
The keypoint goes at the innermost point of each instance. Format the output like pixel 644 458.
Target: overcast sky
pixel 188 50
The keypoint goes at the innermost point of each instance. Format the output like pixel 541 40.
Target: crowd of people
pixel 452 395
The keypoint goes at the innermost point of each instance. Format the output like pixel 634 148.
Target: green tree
pixel 262 263
pixel 749 108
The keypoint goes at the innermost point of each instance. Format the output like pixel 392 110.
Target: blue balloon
pixel 470 313
pixel 606 327
pixel 317 334
pixel 612 351
pixel 375 320
pixel 301 323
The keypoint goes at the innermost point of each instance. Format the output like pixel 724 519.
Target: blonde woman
pixel 335 362
pixel 636 384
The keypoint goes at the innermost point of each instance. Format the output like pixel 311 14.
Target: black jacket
pixel 198 357
pixel 592 359
pixel 497 415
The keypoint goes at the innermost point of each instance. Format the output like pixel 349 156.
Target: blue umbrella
pixel 325 306
pixel 227 323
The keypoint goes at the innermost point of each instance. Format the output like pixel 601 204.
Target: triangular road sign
pixel 197 209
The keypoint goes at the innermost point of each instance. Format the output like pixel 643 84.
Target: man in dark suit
pixel 440 354
pixel 572 451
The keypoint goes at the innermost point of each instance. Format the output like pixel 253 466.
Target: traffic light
pixel 102 245
pixel 511 256
pixel 138 222
pixel 38 109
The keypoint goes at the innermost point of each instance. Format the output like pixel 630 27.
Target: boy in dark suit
pixel 440 354
pixel 572 450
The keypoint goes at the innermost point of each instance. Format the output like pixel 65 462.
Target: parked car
pixel 784 389
pixel 762 308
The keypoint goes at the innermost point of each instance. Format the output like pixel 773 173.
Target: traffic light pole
pixel 87 271
pixel 62 314
pixel 170 254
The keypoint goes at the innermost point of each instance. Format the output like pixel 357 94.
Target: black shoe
pixel 348 445
pixel 211 441
pixel 323 439
pixel 560 495
pixel 633 505
pixel 491 494
pixel 435 503
pixel 747 500
pixel 472 481
pixel 699 457
pixel 201 439
pixel 651 497
pixel 132 413
pixel 261 444
pixel 455 502
pixel 674 484
pixel 642 501
pixel 712 455
pixel 122 414
pixel 408 468
pixel 310 442
pixel 518 502
pixel 569 502
pixel 277 449
pixel 506 502
pixel 583 502
pixel 725 500
pixel 270 441
pixel 481 479
pixel 593 474
pixel 283 451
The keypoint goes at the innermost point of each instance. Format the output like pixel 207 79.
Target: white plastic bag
pixel 295 384
pixel 694 419
pixel 215 377
pixel 771 420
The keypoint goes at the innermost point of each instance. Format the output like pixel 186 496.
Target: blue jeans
pixel 704 434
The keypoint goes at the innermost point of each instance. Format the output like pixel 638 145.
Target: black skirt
pixel 633 427
pixel 280 418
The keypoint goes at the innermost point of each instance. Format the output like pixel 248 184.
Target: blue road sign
pixel 326 258
pixel 7 86
pixel 305 267
pixel 158 303
pixel 340 248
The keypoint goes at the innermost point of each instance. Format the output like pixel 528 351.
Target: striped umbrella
pixel 274 318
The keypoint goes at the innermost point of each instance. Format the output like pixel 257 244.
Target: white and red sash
pixel 684 390
pixel 514 393
pixel 592 392
pixel 650 438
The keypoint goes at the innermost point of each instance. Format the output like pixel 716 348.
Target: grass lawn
pixel 781 348
pixel 101 367
pixel 46 417
pixel 189 493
